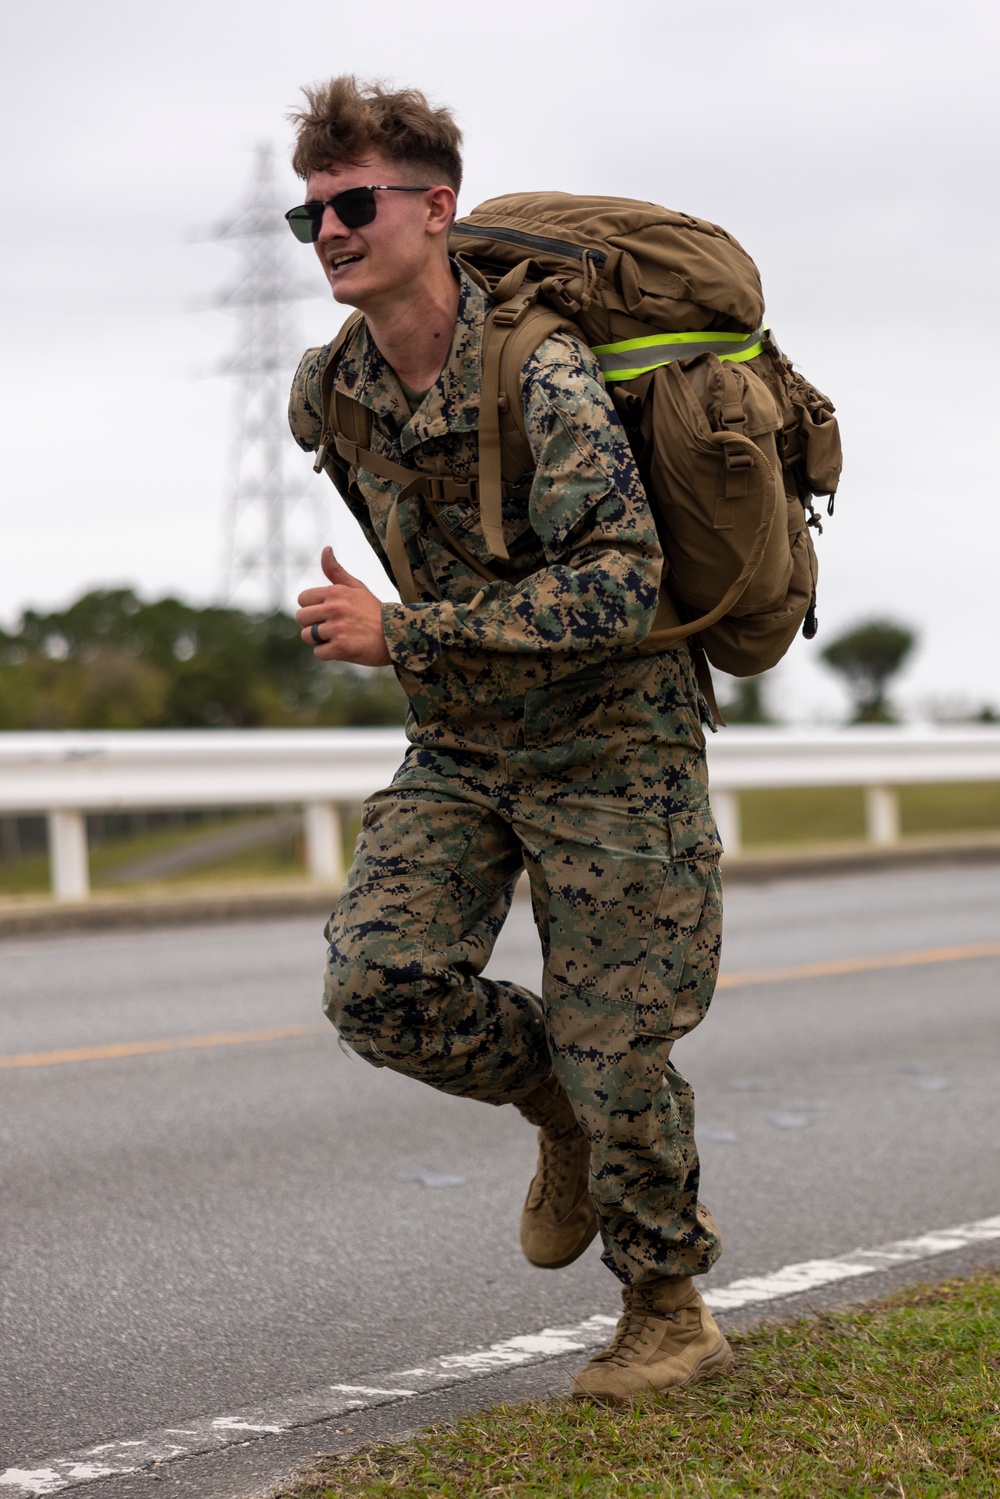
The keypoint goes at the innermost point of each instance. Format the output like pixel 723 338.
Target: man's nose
pixel 330 226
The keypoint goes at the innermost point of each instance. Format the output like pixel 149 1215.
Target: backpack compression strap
pixel 433 489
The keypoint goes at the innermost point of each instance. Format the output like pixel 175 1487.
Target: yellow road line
pixel 860 965
pixel 145 1048
pixel 826 969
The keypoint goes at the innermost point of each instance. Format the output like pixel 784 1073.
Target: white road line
pixel 210 1433
pixel 792 1280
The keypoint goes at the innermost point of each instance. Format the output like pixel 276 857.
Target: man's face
pixel 374 264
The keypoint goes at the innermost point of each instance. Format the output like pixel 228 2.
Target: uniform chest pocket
pixel 461 519
pixel 455 551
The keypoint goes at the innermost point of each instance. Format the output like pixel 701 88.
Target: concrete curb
pixel 27 916
pixel 780 864
pixel 194 908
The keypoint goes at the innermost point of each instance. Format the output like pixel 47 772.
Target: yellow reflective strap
pixel 633 374
pixel 744 354
pixel 624 360
pixel 654 340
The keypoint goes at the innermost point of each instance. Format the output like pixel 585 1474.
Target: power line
pixel 274 516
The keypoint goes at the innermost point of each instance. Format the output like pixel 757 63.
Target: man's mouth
pixel 338 262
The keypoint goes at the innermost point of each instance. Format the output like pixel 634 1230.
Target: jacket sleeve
pixel 596 595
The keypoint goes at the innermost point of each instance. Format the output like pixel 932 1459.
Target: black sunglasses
pixel 354 208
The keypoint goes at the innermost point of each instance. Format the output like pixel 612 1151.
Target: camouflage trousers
pixel 596 786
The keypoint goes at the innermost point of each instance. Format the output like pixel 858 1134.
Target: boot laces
pixel 641 1307
pixel 557 1168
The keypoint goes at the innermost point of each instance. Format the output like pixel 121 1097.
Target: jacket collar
pixel 452 404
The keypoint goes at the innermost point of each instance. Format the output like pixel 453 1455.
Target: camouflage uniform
pixel 539 739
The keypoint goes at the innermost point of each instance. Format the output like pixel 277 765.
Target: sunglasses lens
pixel 355 207
pixel 304 222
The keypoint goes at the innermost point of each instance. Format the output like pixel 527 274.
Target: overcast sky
pixel 851 148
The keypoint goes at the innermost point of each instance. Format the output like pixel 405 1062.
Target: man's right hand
pixel 347 617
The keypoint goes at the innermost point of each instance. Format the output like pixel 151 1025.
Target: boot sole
pixel 714 1365
pixel 568 1259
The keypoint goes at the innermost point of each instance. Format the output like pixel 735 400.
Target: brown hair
pixel 343 120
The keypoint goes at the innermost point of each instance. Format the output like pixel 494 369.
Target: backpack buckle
pixel 736 457
pixel 553 289
pixel 509 314
pixel 442 490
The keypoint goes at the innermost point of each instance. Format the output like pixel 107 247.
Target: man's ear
pixel 441 206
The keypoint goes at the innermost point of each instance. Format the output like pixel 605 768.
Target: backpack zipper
pixel 532 242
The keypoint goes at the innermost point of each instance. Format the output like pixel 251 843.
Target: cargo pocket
pixel 682 959
pixel 693 835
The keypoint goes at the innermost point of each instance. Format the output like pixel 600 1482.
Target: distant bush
pixel 747 702
pixel 867 657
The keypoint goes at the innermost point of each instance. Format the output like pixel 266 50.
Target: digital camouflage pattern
pixel 596 785
pixel 540 741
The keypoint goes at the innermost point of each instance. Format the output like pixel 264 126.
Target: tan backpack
pixel 730 441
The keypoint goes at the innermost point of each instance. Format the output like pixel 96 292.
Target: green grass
pixel 949 809
pixel 821 815
pixel 255 864
pixel 30 875
pixel 832 814
pixel 901 1398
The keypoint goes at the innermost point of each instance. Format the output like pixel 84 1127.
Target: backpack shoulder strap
pixel 514 329
pixel 339 412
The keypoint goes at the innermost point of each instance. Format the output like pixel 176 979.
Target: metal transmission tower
pixel 274 521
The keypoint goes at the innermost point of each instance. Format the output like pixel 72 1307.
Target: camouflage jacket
pixel 582 583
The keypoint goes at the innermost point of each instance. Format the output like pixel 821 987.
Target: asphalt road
pixel 199 1230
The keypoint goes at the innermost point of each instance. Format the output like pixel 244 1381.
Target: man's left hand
pixel 347 616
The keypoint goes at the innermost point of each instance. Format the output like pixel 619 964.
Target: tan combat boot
pixel 666 1338
pixel 558 1220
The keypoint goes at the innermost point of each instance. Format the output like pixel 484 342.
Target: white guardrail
pixel 68 774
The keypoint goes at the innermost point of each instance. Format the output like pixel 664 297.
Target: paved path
pixel 204 1229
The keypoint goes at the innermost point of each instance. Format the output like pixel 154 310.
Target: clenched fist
pixel 346 616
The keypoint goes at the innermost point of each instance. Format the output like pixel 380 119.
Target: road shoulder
pixel 251 1470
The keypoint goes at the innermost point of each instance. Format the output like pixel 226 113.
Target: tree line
pixel 114 661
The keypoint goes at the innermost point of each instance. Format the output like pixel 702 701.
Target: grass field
pixel 275 861
pixel 832 814
pixel 770 819
pixel 901 1398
